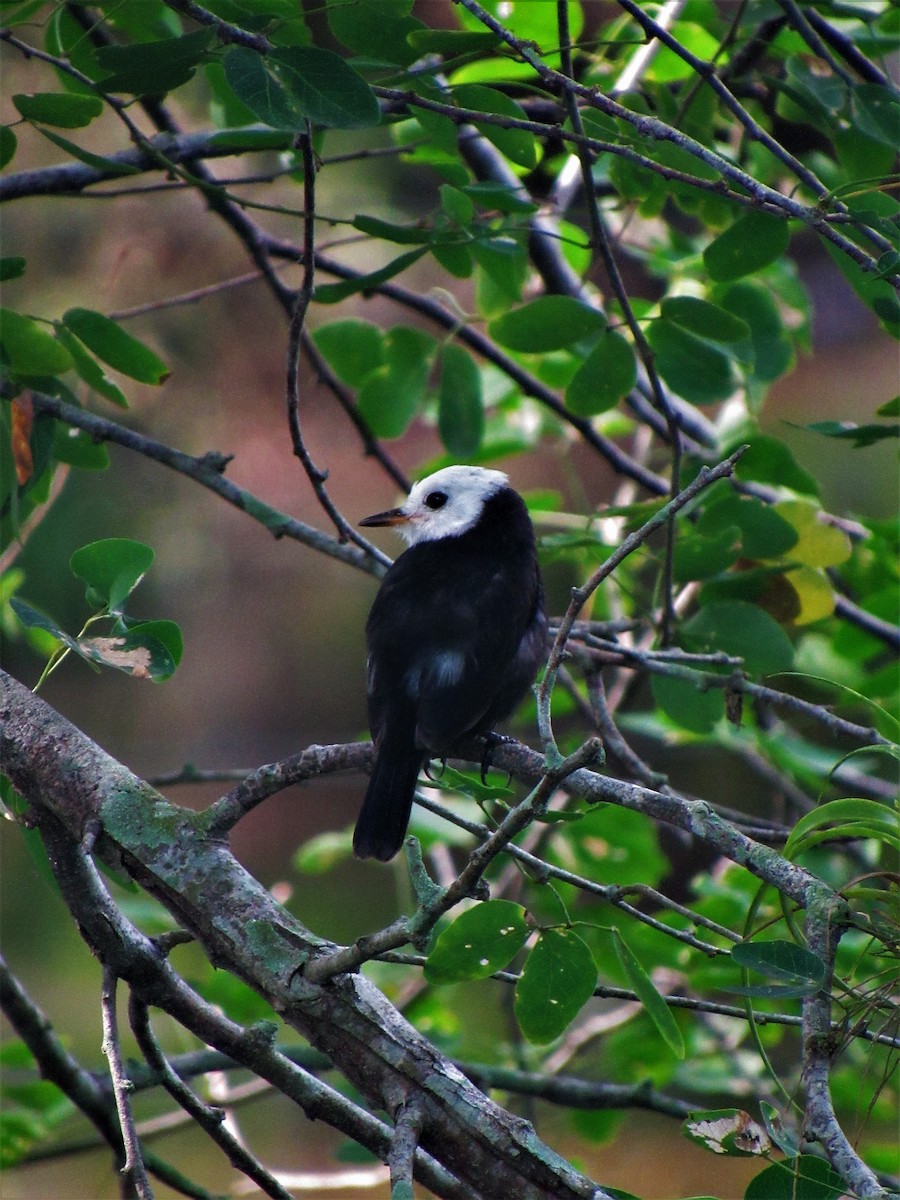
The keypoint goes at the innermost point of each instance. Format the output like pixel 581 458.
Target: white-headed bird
pixel 455 636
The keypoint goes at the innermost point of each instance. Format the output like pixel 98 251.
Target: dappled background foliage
pixel 602 245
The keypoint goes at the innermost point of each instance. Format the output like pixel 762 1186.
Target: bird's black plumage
pixel 455 636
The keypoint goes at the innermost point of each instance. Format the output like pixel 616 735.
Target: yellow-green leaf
pixel 818 544
pixel 814 592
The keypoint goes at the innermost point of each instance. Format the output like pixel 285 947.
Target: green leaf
pixel 820 95
pixel 668 67
pixel 30 348
pixel 801 1178
pixel 324 88
pixel 548 323
pixel 114 346
pixel 458 206
pixel 109 166
pixel 391 394
pixel 836 817
pixel 876 112
pixel 31 1110
pixel 377 29
pixel 333 293
pixel 78 449
pixel 482 940
pixel 519 145
pixel 257 88
pixel 878 294
pixel 699 557
pixel 641 983
pixel 89 369
pixel 751 243
pixel 167 633
pixel 12 267
pixel 607 374
pixel 32 618
pixel 460 402
pixel 795 969
pixel 504 269
pixel 558 978
pixel 112 569
pixel 772 349
pixel 62 109
pixel 775 1128
pixel 689 705
pixel 152 67
pixel 8 144
pixel 455 259
pixel 764 533
pixel 403 235
pixel 703 319
pixel 693 368
pixel 353 348
pixel 860 435
pixel 499 196
pixel 741 629
pixel 768 460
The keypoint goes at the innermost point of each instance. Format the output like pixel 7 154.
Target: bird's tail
pixel 384 816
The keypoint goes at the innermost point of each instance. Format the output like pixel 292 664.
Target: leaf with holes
pixel 482 940
pixel 558 978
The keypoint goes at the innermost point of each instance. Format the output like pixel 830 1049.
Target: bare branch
pixel 210 1119
pixel 208 472
pixel 133 1170
pixel 823 932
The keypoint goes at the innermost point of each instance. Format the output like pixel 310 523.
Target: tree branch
pixel 490 1152
pixel 208 472
pixel 823 932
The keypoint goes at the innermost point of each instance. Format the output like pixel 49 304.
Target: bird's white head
pixel 443 505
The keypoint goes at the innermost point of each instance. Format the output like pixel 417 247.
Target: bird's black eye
pixel 435 500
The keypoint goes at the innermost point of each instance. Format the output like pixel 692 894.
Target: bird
pixel 455 635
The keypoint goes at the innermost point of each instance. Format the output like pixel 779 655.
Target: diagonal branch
pixel 206 470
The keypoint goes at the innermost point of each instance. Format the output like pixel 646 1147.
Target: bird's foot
pixel 429 769
pixel 491 742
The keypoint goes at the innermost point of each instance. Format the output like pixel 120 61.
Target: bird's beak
pixel 393 516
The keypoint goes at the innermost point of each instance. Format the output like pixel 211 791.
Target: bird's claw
pixel 491 741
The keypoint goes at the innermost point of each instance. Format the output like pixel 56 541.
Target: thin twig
pixel 618 651
pixel 302 301
pixel 209 1118
pixel 600 241
pixel 799 21
pixel 133 1168
pixel 581 595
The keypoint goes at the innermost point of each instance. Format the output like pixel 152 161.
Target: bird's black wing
pixel 444 634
